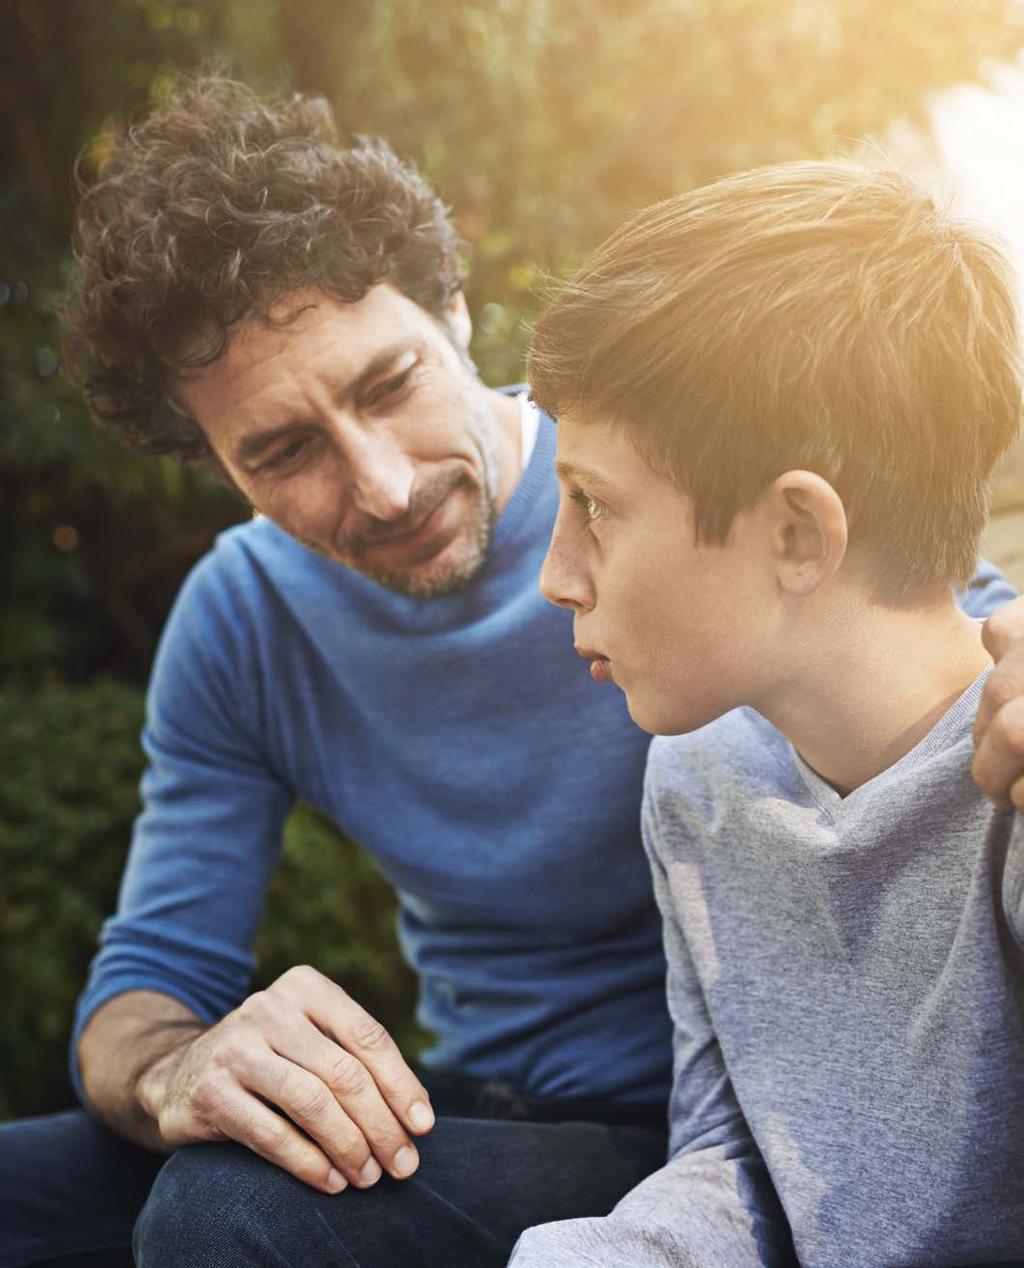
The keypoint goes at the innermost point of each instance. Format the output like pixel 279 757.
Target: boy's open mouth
pixel 600 665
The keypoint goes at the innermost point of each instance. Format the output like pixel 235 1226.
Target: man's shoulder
pixel 243 561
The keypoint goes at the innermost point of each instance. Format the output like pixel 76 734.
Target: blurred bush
pixel 71 763
pixel 542 124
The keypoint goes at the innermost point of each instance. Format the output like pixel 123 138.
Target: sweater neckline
pixel 944 734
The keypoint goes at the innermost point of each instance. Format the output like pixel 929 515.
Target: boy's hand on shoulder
pixel 998 766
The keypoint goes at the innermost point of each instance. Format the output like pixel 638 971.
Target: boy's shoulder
pixel 733 739
pixel 738 755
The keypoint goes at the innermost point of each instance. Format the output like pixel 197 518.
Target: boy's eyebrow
pixel 584 475
pixel 255 443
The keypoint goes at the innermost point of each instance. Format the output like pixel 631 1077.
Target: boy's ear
pixel 459 321
pixel 809 530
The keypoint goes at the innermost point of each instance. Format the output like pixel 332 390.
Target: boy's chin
pixel 665 717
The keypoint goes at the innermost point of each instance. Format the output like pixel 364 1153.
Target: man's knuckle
pixel 208 1093
pixel 298 976
pixel 1008 726
pixel 272 1135
pixel 369 1033
pixel 311 1105
pixel 261 1009
pixel 347 1077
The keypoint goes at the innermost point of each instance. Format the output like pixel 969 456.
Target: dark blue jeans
pixel 70 1191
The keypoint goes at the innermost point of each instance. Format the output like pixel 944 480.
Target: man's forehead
pixel 307 331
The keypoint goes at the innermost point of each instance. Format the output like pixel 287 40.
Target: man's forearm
pixel 124 1052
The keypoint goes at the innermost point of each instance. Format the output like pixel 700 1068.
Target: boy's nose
pixel 562 582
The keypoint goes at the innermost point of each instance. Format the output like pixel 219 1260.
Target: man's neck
pixel 871 691
pixel 505 409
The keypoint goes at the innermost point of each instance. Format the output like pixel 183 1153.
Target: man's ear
pixel 459 321
pixel 809 530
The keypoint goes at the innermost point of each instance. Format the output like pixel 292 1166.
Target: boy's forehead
pixel 598 454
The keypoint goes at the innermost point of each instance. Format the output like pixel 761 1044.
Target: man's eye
pixel 390 387
pixel 289 454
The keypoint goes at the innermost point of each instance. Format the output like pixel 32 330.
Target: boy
pixel 780 398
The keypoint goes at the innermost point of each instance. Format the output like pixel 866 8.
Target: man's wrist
pixel 153 1074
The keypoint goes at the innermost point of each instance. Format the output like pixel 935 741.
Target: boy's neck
pixel 874 688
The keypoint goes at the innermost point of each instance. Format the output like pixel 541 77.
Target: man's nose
pixel 382 476
pixel 562 580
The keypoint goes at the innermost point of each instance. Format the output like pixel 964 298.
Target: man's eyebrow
pixel 250 447
pixel 583 475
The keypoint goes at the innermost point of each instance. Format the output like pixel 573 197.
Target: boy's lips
pixel 600 665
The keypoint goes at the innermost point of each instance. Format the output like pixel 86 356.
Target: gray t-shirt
pixel 846 978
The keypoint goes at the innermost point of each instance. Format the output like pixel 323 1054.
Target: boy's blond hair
pixel 807 315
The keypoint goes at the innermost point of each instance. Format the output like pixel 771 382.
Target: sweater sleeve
pixel 210 827
pixel 712 1205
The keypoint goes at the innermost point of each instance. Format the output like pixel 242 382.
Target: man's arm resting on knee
pixel 298 1073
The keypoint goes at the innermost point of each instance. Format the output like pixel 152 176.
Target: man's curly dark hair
pixel 208 212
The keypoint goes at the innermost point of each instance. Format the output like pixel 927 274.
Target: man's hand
pixel 998 766
pixel 301 1075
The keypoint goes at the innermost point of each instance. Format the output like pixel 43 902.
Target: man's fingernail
pixel 336 1181
pixel 421 1117
pixel 371 1172
pixel 405 1162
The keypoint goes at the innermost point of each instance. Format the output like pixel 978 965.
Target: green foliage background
pixel 543 122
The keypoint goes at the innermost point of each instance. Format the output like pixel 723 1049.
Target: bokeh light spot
pixel 65 537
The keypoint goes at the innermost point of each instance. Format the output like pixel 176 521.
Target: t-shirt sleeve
pixel 987 590
pixel 209 832
pixel 712 1203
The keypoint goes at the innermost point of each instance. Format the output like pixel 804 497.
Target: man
pixel 844 910
pixel 290 313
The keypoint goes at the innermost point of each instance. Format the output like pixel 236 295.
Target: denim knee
pixel 220 1205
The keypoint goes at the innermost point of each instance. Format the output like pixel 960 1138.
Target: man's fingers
pixel 312 1107
pixel 244 1119
pixel 349 1082
pixel 1003 637
pixel 334 1012
pixel 1003 628
pixel 998 763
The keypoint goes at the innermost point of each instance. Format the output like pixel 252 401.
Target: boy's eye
pixel 590 508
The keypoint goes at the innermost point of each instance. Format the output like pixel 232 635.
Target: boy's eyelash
pixel 591 507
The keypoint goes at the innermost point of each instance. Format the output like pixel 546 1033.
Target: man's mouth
pixel 600 665
pixel 408 534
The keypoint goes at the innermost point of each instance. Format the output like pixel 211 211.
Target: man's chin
pixel 450 569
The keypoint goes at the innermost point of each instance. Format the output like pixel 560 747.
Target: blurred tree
pixel 543 123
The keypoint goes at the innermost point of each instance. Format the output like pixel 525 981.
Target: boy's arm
pixel 712 1204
